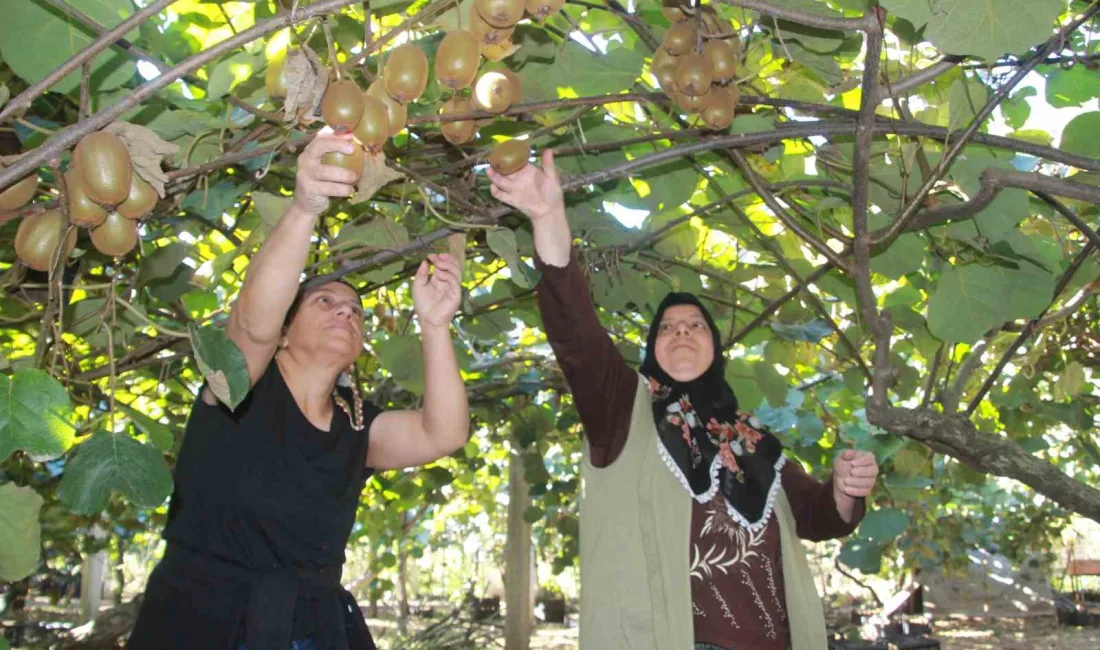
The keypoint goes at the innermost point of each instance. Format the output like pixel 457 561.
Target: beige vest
pixel 635 524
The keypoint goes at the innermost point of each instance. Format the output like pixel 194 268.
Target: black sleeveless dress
pixel 263 506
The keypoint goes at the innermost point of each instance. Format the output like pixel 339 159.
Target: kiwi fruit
pixel 143 198
pixel 396 112
pixel 19 193
pixel 693 74
pixel 373 128
pixel 542 9
pixel 485 33
pixel 457 59
pixel 275 77
pixel 352 162
pixel 83 211
pixel 680 38
pixel 509 157
pixel 501 13
pixel 719 112
pixel 663 67
pixel 406 73
pixel 342 105
pixel 493 92
pixel 116 236
pixel 38 237
pixel 691 103
pixel 104 165
pixel 674 11
pixel 722 58
pixel 458 132
pixel 711 22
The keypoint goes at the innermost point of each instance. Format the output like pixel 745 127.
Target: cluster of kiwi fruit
pixel 104 195
pixel 697 63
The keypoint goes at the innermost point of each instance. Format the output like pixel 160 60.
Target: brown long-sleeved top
pixel 736 574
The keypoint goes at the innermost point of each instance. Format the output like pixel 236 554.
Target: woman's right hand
pixel 534 192
pixel 316 181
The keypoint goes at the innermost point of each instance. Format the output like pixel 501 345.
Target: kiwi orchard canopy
pixel 898 247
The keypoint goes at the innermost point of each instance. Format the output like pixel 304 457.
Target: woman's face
pixel 684 346
pixel 329 323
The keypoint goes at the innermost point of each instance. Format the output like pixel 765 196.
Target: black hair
pixel 308 286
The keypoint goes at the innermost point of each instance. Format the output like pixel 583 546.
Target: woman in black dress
pixel 266 494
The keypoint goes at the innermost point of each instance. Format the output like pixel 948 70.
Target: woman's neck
pixel 311 383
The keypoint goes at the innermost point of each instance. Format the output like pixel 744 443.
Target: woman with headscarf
pixel 266 494
pixel 691 513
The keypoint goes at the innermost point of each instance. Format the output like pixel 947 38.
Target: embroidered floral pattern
pixel 725 606
pixel 769 626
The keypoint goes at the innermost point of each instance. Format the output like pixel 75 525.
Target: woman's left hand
pixel 854 473
pixel 437 296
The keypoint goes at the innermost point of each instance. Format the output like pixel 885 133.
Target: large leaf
pixel 503 242
pixel 990 28
pixel 36 38
pixel 114 462
pixel 159 434
pixel 20 547
pixel 1082 135
pixel 862 554
pixel 221 362
pixel 971 299
pixel 883 524
pixel 402 357
pixel 587 73
pixel 34 415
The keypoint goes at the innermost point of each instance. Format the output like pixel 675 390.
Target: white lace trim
pixel 705 497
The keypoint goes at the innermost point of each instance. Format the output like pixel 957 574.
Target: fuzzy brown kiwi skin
pixel 19 193
pixel 680 38
pixel 458 132
pixel 342 105
pixel 141 201
pixel 509 157
pixel 83 211
pixel 374 126
pixel 500 13
pixel 396 112
pixel 723 59
pixel 116 236
pixel 693 74
pixel 457 59
pixel 104 165
pixel 719 112
pixel 406 73
pixel 352 162
pixel 485 33
pixel 690 104
pixel 36 240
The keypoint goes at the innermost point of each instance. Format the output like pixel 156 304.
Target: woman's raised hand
pixel 316 181
pixel 533 191
pixel 436 296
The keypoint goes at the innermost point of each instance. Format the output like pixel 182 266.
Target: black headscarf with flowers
pixel 706 441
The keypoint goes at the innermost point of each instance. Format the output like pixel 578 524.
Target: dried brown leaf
pixel 147 152
pixel 375 175
pixel 306 80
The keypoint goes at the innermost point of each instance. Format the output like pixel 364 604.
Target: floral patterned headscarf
pixel 706 441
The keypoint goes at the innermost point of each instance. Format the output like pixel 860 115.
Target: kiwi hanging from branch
pixel 373 128
pixel 457 59
pixel 39 237
pixel 458 132
pixel 83 211
pixel 19 194
pixel 406 73
pixel 342 105
pixel 397 114
pixel 352 162
pixel 103 163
